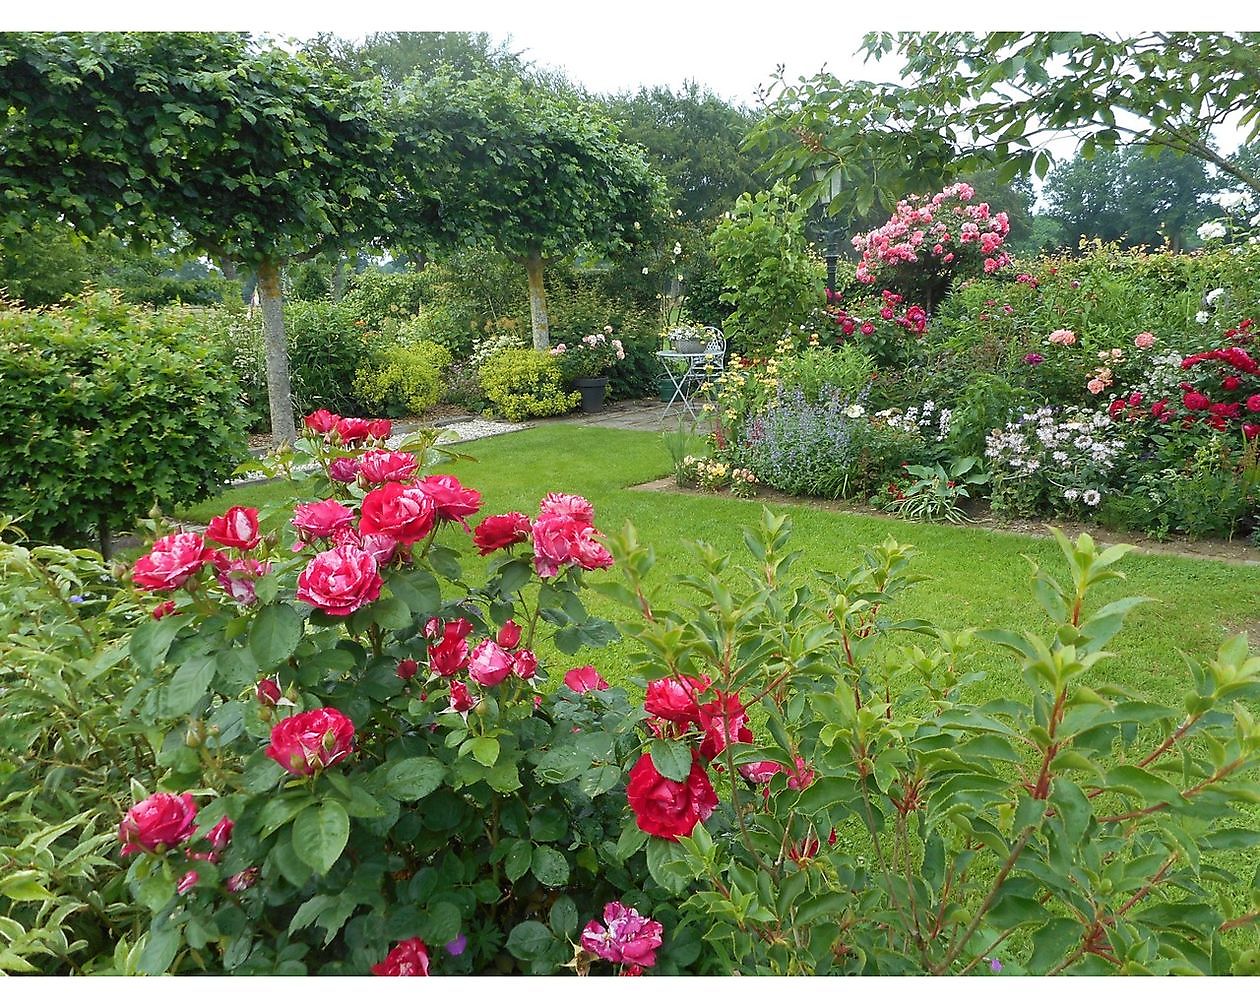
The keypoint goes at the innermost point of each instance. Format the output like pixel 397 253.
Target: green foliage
pixel 383 302
pixel 526 383
pixel 819 371
pixel 402 380
pixel 500 823
pixel 326 349
pixel 766 270
pixel 1132 195
pixel 68 746
pixel 1073 827
pixel 110 410
pixel 937 491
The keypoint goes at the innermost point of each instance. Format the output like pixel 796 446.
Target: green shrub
pixel 326 349
pixel 845 370
pixel 766 269
pixel 402 380
pixel 69 745
pixel 526 383
pixel 380 302
pixel 108 410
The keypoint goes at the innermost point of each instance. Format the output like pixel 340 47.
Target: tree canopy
pixel 528 169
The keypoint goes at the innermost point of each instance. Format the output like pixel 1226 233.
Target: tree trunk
pixel 227 268
pixel 283 429
pixel 537 301
pixel 337 285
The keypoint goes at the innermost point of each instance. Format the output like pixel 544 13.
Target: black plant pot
pixel 592 390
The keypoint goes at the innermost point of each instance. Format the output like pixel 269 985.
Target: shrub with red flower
pixel 667 808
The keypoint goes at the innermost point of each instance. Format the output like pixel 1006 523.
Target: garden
pixel 294 682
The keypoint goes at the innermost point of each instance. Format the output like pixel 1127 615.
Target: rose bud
pixel 268 692
pixel 509 635
pixel 407 668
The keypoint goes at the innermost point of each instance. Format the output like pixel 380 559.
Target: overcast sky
pixel 731 47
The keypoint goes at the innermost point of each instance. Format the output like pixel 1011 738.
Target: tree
pixel 530 170
pixel 1007 94
pixel 395 56
pixel 695 139
pixel 1135 195
pixel 258 154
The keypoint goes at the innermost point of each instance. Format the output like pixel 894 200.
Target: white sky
pixel 732 47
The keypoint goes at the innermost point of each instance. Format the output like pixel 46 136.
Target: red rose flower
pixel 500 531
pixel 163 609
pixel 352 430
pixel 524 664
pixel 561 540
pixel 449 655
pixel 667 808
pixel 171 562
pixel 761 772
pixel 674 698
pixel 407 669
pixel 1230 382
pixel 509 635
pixel 309 742
pixel 1253 404
pixel 803 777
pixel 584 679
pixel 339 581
pixel 1250 430
pixel 380 429
pixel 344 469
pixel 161 820
pixel 387 467
pixel 407 958
pixel 237 527
pixel 220 834
pixel 321 421
pixel 1195 401
pixel 404 512
pixel 723 720
pixel 319 520
pixel 461 700
pixel 489 664
pixel 452 501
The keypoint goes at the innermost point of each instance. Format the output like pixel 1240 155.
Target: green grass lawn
pixel 976 577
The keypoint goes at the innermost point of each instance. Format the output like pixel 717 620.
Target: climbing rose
pixel 380 429
pixel 172 561
pixel 237 527
pixel 307 743
pixel 625 936
pixel 584 679
pixel 236 576
pixel 339 581
pixel 161 820
pixel 320 519
pixel 500 531
pixel 452 501
pixel 407 958
pixel 667 808
pixel 674 698
pixel 387 467
pixel 403 511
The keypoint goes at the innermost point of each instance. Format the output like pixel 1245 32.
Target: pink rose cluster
pixel 912 318
pixel 563 535
pixel 942 230
pixel 176 559
pixel 163 822
pixel 346 574
pixel 624 937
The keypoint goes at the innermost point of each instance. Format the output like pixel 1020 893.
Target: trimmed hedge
pixel 109 409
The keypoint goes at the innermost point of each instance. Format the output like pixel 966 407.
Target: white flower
pixel 645 271
pixel 1228 199
pixel 854 411
pixel 1212 295
pixel 636 225
pixel 1071 494
pixel 1210 230
pixel 1091 498
pixel 677 248
pixel 1201 317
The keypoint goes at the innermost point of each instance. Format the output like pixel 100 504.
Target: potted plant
pixel 687 337
pixel 586 363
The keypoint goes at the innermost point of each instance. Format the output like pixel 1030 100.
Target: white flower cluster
pixel 932 423
pixel 1073 455
pixel 1210 230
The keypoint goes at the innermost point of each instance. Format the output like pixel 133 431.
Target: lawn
pixel 976 577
